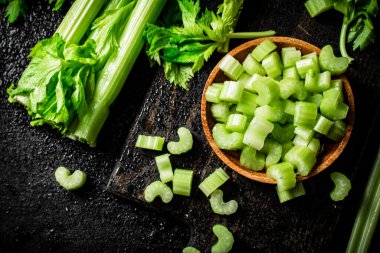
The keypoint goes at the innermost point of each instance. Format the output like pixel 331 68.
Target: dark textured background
pixel 38 216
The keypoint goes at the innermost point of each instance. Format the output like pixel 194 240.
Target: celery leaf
pixel 183 49
pixel 14 10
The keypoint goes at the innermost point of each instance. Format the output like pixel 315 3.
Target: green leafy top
pixel 182 50
pixel 58 83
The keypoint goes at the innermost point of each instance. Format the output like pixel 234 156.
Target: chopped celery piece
pixel 257 132
pixel 182 181
pixel 263 49
pixel 314 145
pixel 247 104
pixel 184 144
pixel 323 125
pixel 289 86
pixel 231 67
pixel 273 65
pixel 342 186
pixel 236 123
pixel 213 93
pixel 248 81
pixel 300 141
pixel 337 84
pixel 284 175
pixel 150 142
pixel 291 73
pixel 289 107
pixel 231 91
pixel 316 99
pixel 292 193
pixel 283 133
pixel 252 159
pixel 337 131
pixel 273 150
pixel 251 66
pixel 70 181
pixel 225 139
pixel 286 146
pixel 290 56
pixel 302 158
pixel 220 111
pixel 213 181
pixel 328 61
pixel 301 92
pixel 305 132
pixel 316 7
pixel 317 82
pixel 305 114
pixel 225 239
pixel 267 89
pixel 190 249
pixel 164 167
pixel 306 64
pixel 158 189
pixel 272 112
pixel 331 105
pixel 221 207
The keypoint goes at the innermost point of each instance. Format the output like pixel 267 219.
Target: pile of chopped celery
pixel 277 108
pixel 74 76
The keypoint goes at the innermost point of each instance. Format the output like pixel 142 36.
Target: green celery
pixel 164 167
pixel 257 132
pixel 182 181
pixel 225 139
pixel 231 91
pixel 236 122
pixel 302 158
pixel 292 193
pixel 273 65
pixel 252 159
pixel 251 66
pixel 231 67
pixel 263 49
pixel 213 181
pixel 284 175
pixel 150 142
pixel 111 79
pixel 220 111
pixel 268 90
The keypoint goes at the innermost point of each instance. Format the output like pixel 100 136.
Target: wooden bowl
pixel 331 150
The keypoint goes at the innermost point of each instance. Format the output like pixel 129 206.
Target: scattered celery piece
pixel 182 181
pixel 190 249
pixel 213 181
pixel 221 207
pixel 225 239
pixel 158 189
pixel 316 7
pixel 164 167
pixel 70 181
pixel 328 61
pixel 184 144
pixel 150 142
pixel 342 186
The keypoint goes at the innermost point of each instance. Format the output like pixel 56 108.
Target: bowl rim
pixel 257 175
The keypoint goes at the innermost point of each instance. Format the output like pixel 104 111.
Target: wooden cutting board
pixel 261 222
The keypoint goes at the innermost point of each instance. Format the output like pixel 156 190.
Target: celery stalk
pixel 78 19
pixel 114 74
pixel 368 214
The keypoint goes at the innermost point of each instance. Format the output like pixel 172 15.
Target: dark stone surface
pixel 36 215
